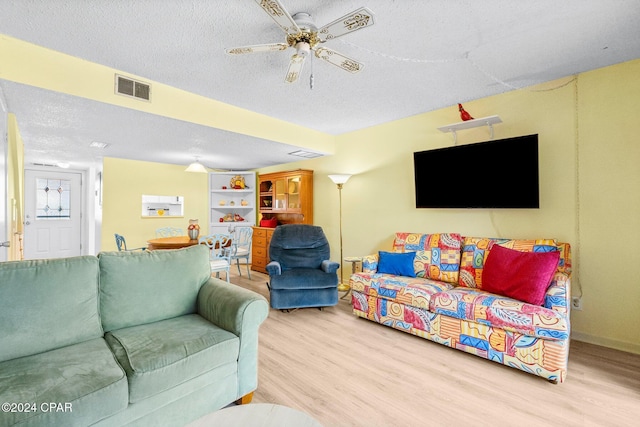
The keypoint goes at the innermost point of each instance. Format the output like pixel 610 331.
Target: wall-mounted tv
pixel 494 174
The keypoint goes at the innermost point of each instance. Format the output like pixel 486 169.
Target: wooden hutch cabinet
pixel 286 197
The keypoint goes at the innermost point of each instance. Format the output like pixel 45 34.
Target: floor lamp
pixel 340 180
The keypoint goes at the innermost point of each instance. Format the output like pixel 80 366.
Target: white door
pixel 52 211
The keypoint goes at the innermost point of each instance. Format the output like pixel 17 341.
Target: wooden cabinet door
pixel 294 197
pixel 280 195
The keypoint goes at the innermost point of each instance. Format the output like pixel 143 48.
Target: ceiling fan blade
pixel 257 48
pixel 295 68
pixel 339 60
pixel 279 14
pixel 349 23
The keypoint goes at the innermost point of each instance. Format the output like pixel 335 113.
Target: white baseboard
pixel 606 342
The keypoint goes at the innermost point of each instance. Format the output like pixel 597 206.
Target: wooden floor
pixel 347 371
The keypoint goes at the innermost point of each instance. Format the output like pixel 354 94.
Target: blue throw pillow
pixel 400 264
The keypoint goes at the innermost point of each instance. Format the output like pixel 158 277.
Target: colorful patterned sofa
pixel 446 302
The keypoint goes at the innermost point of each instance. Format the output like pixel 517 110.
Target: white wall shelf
pixel 232 191
pixel 162 206
pixel 229 201
pixel 474 123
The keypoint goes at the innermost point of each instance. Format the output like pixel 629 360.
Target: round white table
pixel 256 415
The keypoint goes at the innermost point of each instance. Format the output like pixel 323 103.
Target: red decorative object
pixel 271 223
pixel 463 113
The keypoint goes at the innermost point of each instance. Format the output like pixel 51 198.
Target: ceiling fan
pixel 305 37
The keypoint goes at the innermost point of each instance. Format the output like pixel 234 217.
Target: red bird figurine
pixel 463 114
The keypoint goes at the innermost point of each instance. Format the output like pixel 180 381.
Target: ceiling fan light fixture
pixel 304 36
pixel 303 48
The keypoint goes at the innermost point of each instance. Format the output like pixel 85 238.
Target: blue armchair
pixel 300 272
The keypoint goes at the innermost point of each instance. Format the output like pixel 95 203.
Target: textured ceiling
pixel 419 56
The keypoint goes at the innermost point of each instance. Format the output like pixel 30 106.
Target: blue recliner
pixel 300 272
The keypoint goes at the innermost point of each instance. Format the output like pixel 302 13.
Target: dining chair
pixel 220 252
pixel 169 232
pixel 241 245
pixel 121 243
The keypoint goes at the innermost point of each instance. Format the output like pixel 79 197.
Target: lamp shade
pixel 339 178
pixel 196 167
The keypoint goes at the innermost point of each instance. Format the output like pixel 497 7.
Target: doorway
pixel 53 214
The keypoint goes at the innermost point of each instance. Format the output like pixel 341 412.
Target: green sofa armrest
pixel 241 312
pixel 231 307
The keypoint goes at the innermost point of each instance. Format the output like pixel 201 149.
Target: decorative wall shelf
pixel 483 121
pixel 230 201
pixel 162 206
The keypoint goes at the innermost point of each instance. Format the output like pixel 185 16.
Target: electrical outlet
pixel 576 303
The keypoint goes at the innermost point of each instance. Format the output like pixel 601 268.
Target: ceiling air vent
pixel 133 88
pixel 306 154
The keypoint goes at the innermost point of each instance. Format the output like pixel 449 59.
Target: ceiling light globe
pixel 196 167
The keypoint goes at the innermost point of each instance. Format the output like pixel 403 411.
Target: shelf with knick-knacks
pixel 232 200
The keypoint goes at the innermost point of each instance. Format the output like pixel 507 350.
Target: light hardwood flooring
pixel 347 371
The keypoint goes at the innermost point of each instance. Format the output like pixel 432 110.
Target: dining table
pixel 175 242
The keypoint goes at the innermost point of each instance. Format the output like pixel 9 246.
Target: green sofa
pixel 124 338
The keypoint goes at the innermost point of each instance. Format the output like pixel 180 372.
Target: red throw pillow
pixel 524 276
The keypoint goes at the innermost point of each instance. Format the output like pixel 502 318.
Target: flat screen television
pixel 494 174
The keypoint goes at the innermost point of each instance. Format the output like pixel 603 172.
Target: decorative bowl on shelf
pixel 222 203
pixel 232 217
pixel 266 202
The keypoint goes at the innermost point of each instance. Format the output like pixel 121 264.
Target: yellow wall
pixel 124 183
pixel 587 131
pixel 15 187
pixel 609 214
pixel 380 195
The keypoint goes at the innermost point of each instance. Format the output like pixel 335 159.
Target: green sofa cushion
pixel 144 287
pixel 47 304
pixel 85 378
pixel 161 355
